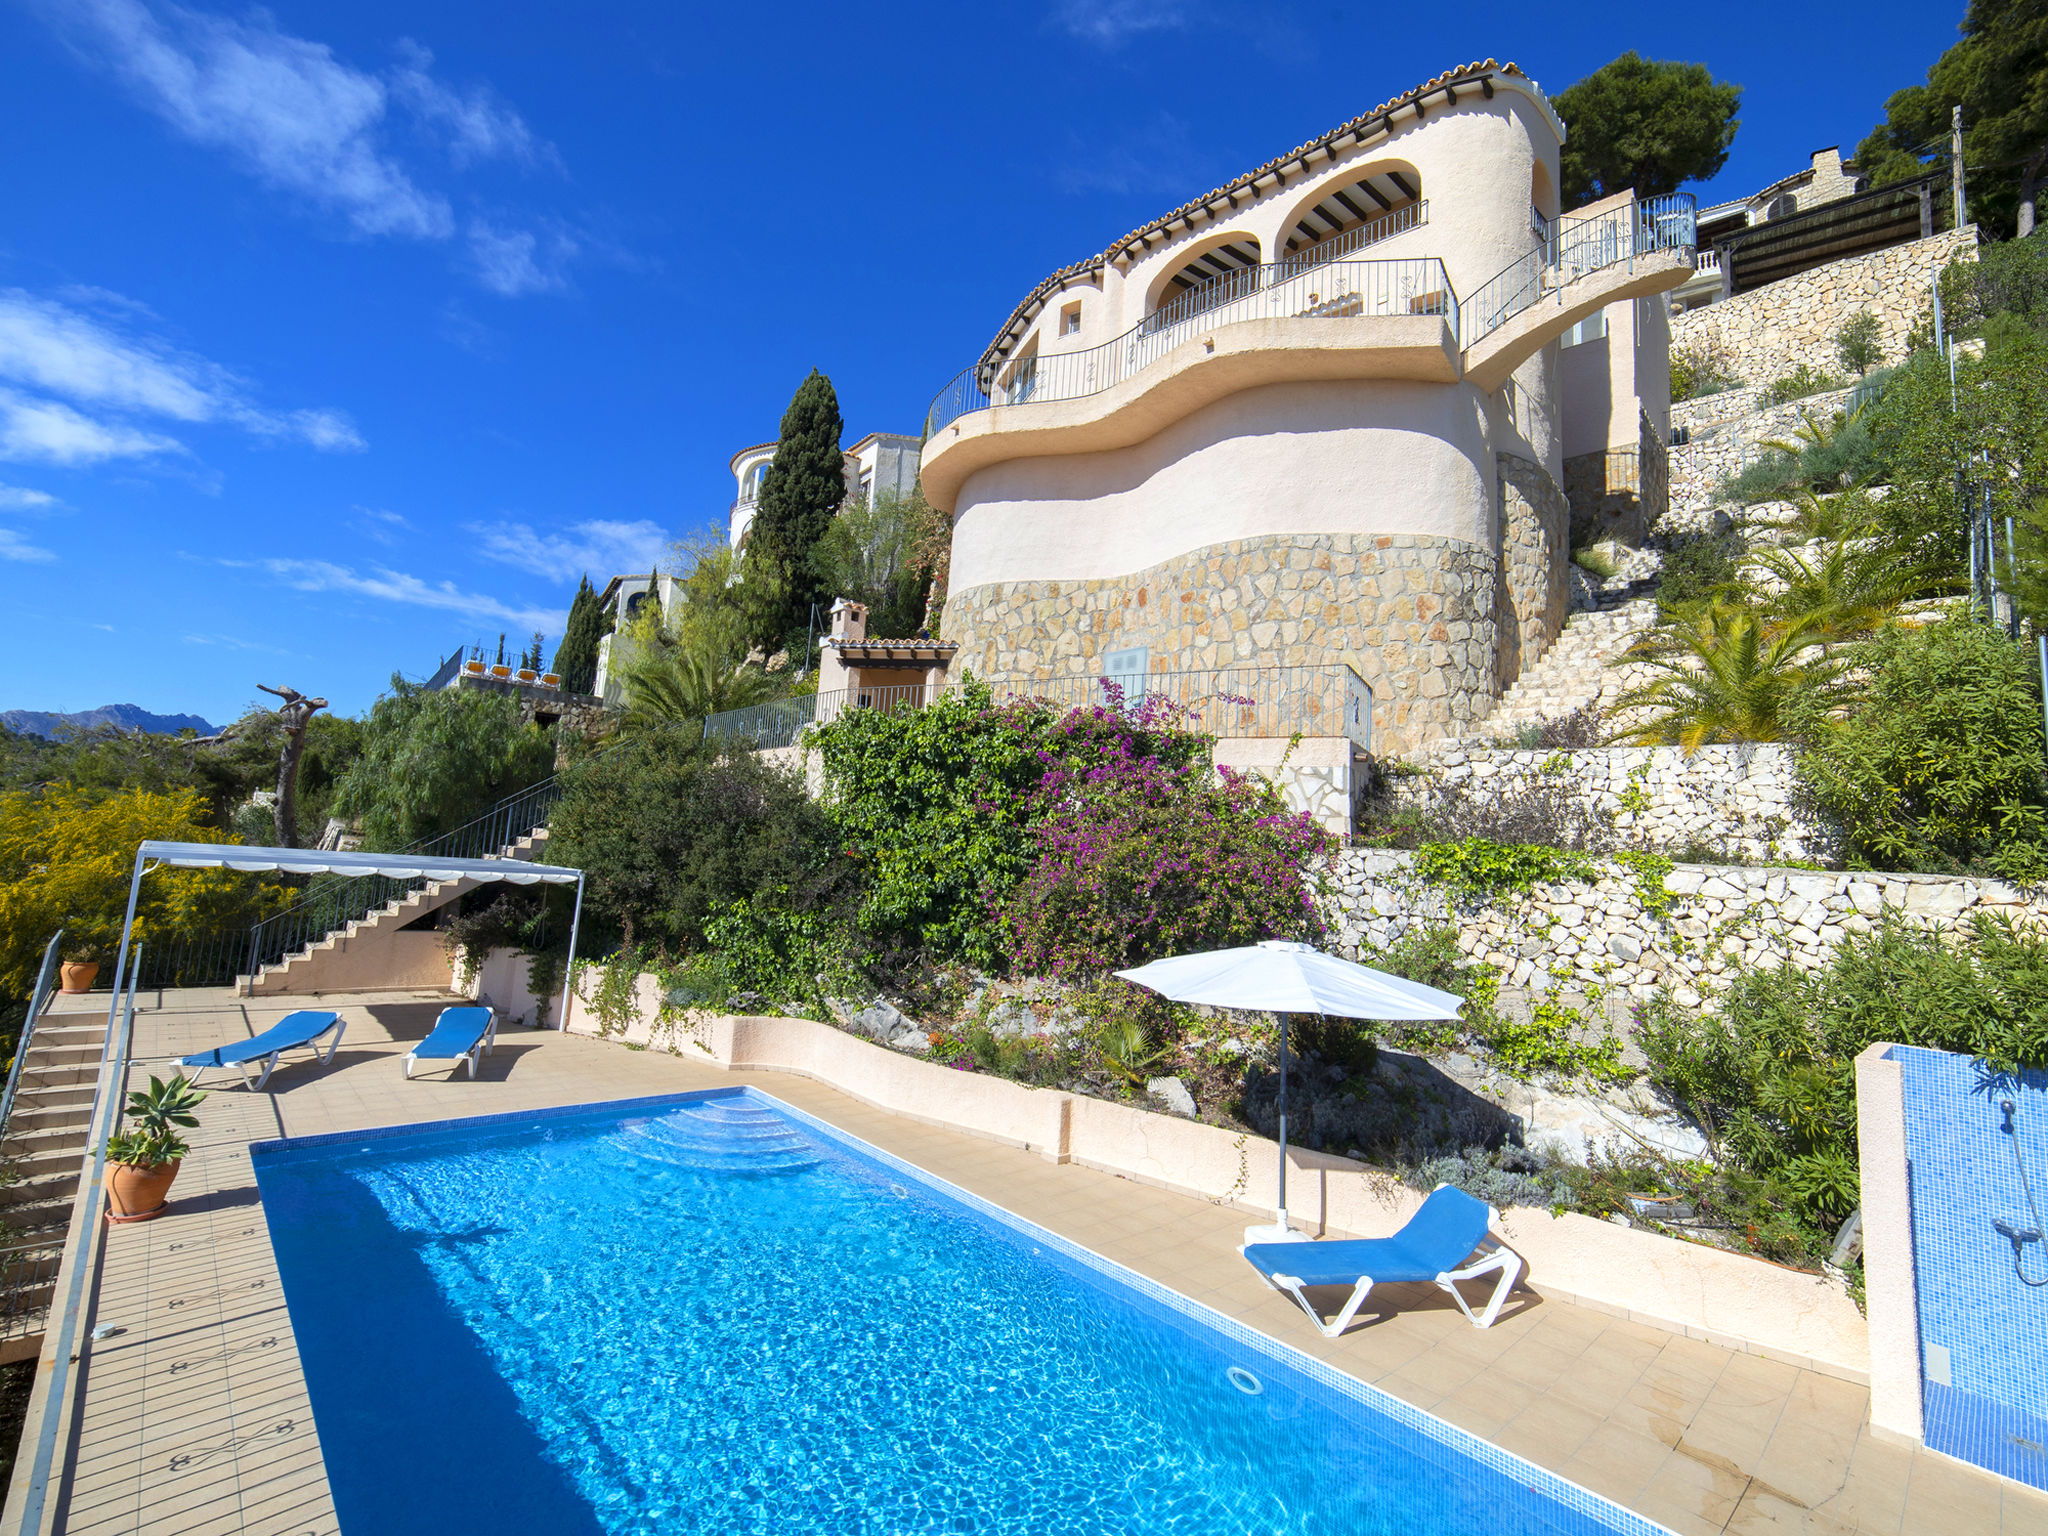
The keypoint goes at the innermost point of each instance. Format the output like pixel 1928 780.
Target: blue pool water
pixel 712 1314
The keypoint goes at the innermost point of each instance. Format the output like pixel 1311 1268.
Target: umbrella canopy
pixel 1282 977
pixel 1278 976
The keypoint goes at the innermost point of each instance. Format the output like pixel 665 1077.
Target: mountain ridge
pixel 129 717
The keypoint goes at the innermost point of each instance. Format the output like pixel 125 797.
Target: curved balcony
pixel 1281 290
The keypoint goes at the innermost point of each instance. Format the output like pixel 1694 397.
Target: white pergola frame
pixel 308 861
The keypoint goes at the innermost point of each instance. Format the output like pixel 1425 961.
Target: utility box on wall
pixel 1955 1168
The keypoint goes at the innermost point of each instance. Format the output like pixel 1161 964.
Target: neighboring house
pixel 1310 424
pixel 623 597
pixel 1822 214
pixel 882 463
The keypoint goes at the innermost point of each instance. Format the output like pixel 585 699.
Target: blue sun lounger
pixel 459 1034
pixel 1434 1245
pixel 288 1033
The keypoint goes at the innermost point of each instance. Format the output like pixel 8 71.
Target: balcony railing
pixel 1284 289
pixel 1577 248
pixel 1230 703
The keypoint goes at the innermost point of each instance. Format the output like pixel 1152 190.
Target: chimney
pixel 849 620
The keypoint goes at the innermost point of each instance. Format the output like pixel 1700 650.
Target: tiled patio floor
pixel 194 1417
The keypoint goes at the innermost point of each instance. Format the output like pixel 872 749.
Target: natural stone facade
pixel 1735 800
pixel 1618 493
pixel 1766 333
pixel 1726 432
pixel 1535 523
pixel 1415 614
pixel 1579 935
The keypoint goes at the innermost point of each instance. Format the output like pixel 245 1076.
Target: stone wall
pixel 1626 934
pixel 1724 433
pixel 1766 333
pixel 1535 529
pixel 1415 614
pixel 1618 493
pixel 1736 800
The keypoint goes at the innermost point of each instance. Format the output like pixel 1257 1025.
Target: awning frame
pixel 315 861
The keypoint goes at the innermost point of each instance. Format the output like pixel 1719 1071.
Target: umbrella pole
pixel 1283 1122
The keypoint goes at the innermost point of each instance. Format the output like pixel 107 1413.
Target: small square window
pixel 1070 320
pixel 1126 669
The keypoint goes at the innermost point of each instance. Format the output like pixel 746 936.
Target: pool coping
pixel 1602 1516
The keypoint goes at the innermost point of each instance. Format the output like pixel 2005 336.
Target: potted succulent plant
pixel 500 667
pixel 529 662
pixel 143 1158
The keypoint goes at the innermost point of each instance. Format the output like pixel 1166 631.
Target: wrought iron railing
pixel 1231 702
pixel 331 902
pixel 1577 248
pixel 1415 285
pixel 1206 298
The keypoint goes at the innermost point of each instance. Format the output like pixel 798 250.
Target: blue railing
pixel 1294 289
pixel 1576 248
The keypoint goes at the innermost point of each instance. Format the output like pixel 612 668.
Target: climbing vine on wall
pixel 1483 870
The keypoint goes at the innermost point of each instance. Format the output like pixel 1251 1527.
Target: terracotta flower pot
pixel 78 974
pixel 137 1193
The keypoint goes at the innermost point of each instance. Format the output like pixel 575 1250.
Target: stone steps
pixel 1577 671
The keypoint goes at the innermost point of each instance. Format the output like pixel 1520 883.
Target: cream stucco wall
pixel 1354 457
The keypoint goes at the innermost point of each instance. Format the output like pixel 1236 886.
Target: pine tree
pixel 802 490
pixel 576 656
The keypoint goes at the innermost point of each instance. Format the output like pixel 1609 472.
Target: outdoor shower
pixel 2019 1237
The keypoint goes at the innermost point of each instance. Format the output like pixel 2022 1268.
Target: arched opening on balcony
pixel 1344 216
pixel 1223 270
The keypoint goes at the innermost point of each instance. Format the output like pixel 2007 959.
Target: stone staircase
pixel 44 1149
pixel 1577 671
pixel 290 975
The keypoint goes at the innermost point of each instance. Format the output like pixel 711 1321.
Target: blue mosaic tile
pixel 1983 1326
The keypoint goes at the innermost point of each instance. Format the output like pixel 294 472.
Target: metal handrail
pixel 1578 248
pixel 60 1335
pixel 1292 289
pixel 1229 702
pixel 36 1001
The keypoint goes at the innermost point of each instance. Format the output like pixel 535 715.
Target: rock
pixel 880 1020
pixel 1867 898
pixel 1625 949
pixel 1173 1093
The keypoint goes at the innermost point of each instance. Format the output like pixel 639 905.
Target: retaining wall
pixel 1736 1302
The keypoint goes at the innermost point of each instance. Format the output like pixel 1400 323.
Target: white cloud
pixel 513 263
pixel 380 526
pixel 19 498
pixel 99 366
pixel 1156 156
pixel 45 431
pixel 396 587
pixel 602 548
pixel 475 123
pixel 14 547
pixel 1111 23
pixel 304 121
pixel 295 115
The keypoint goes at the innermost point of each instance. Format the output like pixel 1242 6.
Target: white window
pixel 1070 320
pixel 1126 669
pixel 1592 328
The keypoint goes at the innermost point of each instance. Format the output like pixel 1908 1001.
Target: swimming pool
pixel 710 1312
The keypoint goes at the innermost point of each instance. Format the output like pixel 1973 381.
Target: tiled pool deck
pixel 194 1417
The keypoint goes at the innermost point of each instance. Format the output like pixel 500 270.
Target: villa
pixel 882 463
pixel 1316 418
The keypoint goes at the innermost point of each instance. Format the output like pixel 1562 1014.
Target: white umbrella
pixel 1282 977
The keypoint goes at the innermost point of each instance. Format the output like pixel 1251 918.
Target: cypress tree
pixel 576 656
pixel 800 493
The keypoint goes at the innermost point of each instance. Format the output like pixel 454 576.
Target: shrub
pixel 668 835
pixel 1799 383
pixel 937 805
pixel 1771 1079
pixel 1700 370
pixel 1697 568
pixel 1138 859
pixel 1938 767
pixel 1857 343
pixel 433 758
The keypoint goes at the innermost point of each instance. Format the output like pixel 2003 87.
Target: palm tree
pixel 1843 591
pixel 1728 673
pixel 668 683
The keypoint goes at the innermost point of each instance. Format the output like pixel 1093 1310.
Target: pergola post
pixel 569 965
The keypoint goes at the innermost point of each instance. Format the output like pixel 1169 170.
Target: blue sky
pixel 332 337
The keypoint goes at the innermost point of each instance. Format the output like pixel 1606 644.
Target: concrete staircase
pixel 44 1148
pixel 1577 671
pixel 303 971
